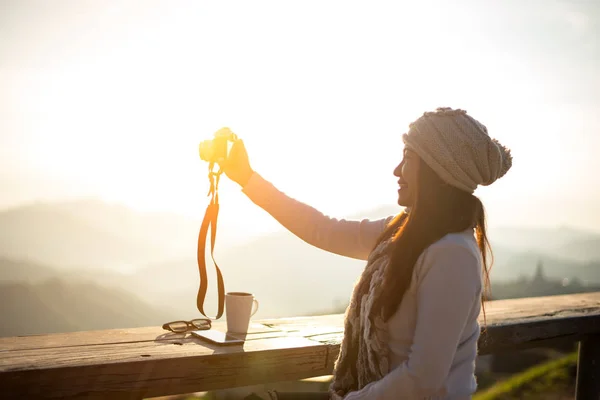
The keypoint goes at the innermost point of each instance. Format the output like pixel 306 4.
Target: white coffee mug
pixel 238 309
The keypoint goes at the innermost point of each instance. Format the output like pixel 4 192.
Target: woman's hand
pixel 237 166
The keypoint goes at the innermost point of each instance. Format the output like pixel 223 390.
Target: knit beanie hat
pixel 458 148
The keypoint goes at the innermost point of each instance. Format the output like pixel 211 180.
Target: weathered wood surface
pixel 146 362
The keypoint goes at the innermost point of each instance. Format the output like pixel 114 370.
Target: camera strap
pixel 210 222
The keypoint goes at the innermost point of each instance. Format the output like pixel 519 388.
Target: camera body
pixel 215 150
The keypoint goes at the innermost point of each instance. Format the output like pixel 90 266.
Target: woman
pixel 411 327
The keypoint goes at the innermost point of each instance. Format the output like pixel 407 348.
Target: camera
pixel 216 149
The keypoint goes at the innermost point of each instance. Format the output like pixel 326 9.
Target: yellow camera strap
pixel 210 222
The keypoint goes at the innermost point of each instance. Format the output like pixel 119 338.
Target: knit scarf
pixel 363 356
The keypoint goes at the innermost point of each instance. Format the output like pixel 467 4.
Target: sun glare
pixel 316 96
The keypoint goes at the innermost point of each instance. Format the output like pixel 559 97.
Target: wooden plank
pixel 505 311
pixel 73 356
pixel 333 320
pixel 511 323
pixel 154 369
pixel 109 336
pixel 518 323
pixel 523 333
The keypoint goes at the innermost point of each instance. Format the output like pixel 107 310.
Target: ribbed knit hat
pixel 458 148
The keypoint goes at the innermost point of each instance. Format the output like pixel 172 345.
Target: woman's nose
pixel 398 170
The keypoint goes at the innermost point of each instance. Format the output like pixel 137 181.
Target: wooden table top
pixel 149 361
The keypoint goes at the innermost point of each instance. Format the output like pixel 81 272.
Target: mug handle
pixel 255 306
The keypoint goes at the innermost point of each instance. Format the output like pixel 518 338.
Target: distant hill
pixel 586 249
pixel 559 242
pixel 563 243
pixel 12 271
pixel 537 238
pixel 24 271
pixel 59 306
pixel 87 241
pixel 513 264
pixel 92 234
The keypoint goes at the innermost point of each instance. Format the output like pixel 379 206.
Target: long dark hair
pixel 438 209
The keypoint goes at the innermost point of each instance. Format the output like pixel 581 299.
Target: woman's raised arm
pixel 353 239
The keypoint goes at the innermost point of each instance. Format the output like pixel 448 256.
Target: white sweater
pixel 433 334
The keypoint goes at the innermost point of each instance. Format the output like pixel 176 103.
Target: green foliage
pixel 535 383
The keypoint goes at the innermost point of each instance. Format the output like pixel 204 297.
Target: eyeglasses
pixel 184 326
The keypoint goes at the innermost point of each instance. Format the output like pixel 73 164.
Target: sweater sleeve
pixel 446 293
pixel 353 239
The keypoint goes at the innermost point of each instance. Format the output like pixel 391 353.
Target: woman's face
pixel 407 172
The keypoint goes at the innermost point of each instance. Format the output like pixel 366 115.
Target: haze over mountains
pixel 59 306
pixel 92 234
pixel 90 265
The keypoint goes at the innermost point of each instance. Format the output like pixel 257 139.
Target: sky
pixel 110 99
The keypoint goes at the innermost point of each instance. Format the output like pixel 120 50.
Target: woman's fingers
pixel 237 166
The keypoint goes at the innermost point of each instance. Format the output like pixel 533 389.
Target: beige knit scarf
pixel 363 356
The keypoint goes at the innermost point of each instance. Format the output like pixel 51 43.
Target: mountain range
pixel 108 258
pixel 59 306
pixel 92 234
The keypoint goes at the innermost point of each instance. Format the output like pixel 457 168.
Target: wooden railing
pixel 148 362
